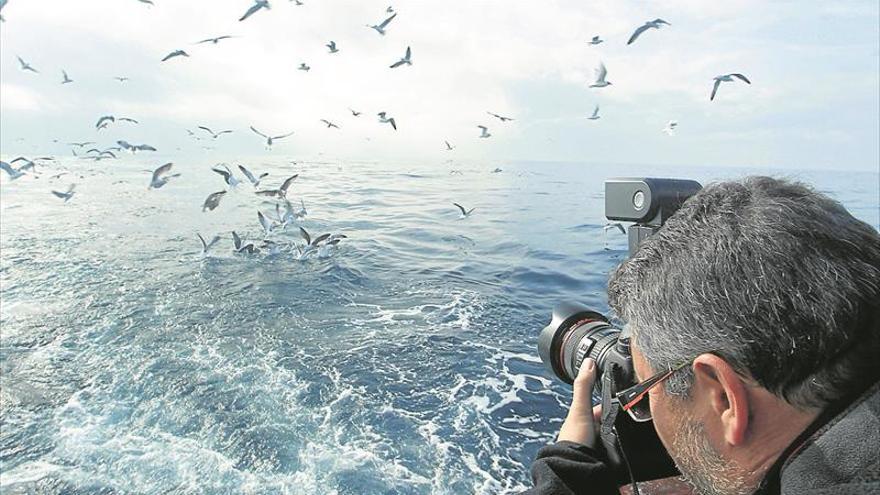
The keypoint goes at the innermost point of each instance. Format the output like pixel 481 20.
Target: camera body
pixel 575 332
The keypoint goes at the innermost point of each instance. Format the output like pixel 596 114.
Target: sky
pixel 814 101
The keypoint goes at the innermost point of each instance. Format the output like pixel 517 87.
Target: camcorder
pixel 631 448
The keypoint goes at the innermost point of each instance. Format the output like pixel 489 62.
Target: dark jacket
pixel 839 454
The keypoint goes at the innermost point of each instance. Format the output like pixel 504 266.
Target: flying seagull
pixel 388 120
pixel 655 24
pixel 484 131
pixel 207 245
pixel 595 115
pixel 159 178
pixel 595 40
pixel 230 179
pixel 254 180
pixel 298 2
pixel 601 74
pixel 380 28
pixel 726 78
pixel 13 173
pixel 241 247
pixel 281 192
pixel 26 66
pixel 449 147
pixel 303 66
pixel 65 195
pixel 390 9
pixel 270 139
pixel 464 212
pixel 175 53
pixel 214 40
pixel 121 79
pixel 134 148
pixel 332 47
pixel 82 144
pixel 670 127
pixel 67 79
pixel 258 4
pixel 213 201
pixel 407 59
pixel 213 134
pixel 264 222
pixel 329 124
pixel 354 112
pixel 500 117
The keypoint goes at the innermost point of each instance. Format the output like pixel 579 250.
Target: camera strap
pixel 608 432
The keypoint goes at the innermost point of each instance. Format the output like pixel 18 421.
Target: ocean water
pixel 402 363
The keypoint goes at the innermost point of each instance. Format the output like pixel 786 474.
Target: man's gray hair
pixel 778 279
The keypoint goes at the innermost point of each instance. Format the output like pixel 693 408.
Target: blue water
pixel 403 363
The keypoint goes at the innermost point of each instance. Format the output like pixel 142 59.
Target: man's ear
pixel 727 394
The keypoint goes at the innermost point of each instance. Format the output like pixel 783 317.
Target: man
pixel 760 300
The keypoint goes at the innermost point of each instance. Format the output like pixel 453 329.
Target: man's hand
pixel 582 423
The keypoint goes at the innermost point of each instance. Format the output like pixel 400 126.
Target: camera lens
pixel 574 334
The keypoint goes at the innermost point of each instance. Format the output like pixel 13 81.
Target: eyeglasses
pixel 634 400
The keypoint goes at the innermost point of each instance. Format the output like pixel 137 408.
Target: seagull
pixel 121 79
pixel 484 131
pixel 312 244
pixel 159 178
pixel 134 148
pixel 67 79
pixel 500 117
pixel 270 139
pixel 254 180
pixel 264 222
pixel 329 124
pixel 670 127
pixel 213 134
pixel 595 115
pixel 298 3
pixel 215 40
pixel 212 201
pixel 655 24
pixel 407 59
pixel 380 28
pixel 601 74
pixel 175 53
pixel 258 4
pixel 354 112
pixel 13 173
pixel 388 120
pixel 67 194
pixel 464 212
pixel 390 9
pixel 596 40
pixel 332 47
pixel 103 120
pixel 207 245
pixel 80 145
pixel 26 66
pixel 230 179
pixel 304 67
pixel 281 192
pixel 726 78
pixel 242 248
pixel 449 147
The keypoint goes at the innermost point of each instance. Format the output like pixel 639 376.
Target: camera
pixel 575 333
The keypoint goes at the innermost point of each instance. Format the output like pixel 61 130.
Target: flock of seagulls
pixel 285 213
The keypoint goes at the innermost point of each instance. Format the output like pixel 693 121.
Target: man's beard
pixel 703 467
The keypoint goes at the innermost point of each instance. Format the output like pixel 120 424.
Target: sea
pixel 403 361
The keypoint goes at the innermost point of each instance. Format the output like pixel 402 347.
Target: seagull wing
pixel 305 235
pixel 596 111
pixel 206 129
pixel 386 21
pixel 396 64
pixel 393 123
pixel 236 241
pixel 320 239
pixel 267 227
pixel 742 78
pixel 282 136
pixel 601 72
pixel 247 173
pixel 8 168
pixel 259 133
pixel 255 7
pixel 408 53
pixel 660 21
pixel 225 173
pixel 715 89
pixel 286 184
pixel 204 244
pixel 463 211
pixel 641 29
pixel 161 170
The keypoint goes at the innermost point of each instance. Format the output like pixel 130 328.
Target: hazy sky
pixel 815 69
